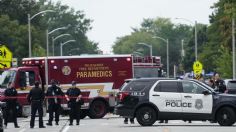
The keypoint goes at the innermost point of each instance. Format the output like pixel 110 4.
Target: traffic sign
pixel 197 67
pixel 5 54
pixel 5 64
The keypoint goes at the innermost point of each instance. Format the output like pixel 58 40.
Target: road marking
pixel 22 130
pixel 66 129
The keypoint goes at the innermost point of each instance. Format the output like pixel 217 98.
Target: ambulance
pixel 99 77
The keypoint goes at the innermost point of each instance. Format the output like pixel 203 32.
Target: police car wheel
pixel 226 116
pixel 146 116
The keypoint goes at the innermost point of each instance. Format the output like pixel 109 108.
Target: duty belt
pixel 36 100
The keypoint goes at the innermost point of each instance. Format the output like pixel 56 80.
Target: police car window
pixel 137 85
pixel 168 86
pixel 188 87
pixel 158 87
pixel 198 89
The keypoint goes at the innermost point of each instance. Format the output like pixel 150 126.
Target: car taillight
pixel 122 95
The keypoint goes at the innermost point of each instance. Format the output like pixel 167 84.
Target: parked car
pixel 230 86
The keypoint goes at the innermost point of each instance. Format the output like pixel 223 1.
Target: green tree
pixel 217 51
pixel 190 47
pixel 15 30
pixel 161 27
pixel 11 35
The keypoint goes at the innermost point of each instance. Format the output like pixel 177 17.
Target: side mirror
pixel 206 92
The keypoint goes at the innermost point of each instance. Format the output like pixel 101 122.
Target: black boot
pixel 49 124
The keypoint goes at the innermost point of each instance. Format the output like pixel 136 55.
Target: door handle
pixel 155 95
pixel 188 96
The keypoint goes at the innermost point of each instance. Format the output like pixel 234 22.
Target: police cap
pixel 73 83
pixel 36 83
pixel 53 82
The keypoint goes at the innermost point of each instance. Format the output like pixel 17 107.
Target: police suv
pixel 152 99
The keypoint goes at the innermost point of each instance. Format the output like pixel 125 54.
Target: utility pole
pixel 233 46
pixel 196 41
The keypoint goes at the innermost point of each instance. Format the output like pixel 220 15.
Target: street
pixel 114 123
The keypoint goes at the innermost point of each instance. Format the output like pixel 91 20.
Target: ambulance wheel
pixel 98 109
pixel 146 116
pixel 226 116
pixel 83 114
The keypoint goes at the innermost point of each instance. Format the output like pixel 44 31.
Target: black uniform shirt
pixel 54 91
pixel 11 93
pixel 73 92
pixel 220 84
pixel 35 94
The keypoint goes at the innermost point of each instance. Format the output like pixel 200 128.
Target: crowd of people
pixel 36 99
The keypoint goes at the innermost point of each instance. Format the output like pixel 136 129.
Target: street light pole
pixel 167 53
pixel 233 46
pixel 48 33
pixel 150 46
pixel 29 27
pixel 195 31
pixel 62 44
pixel 46 59
pixel 29 31
pixel 54 39
pixel 195 41
pixel 182 49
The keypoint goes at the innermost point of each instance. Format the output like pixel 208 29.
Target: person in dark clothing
pixel 131 120
pixel 11 103
pixel 211 83
pixel 219 83
pixel 54 102
pixel 73 96
pixel 36 98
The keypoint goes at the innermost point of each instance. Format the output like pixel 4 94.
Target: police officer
pixel 54 94
pixel 219 83
pixel 73 96
pixel 11 103
pixel 36 98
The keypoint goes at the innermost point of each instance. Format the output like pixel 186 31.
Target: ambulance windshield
pixel 6 77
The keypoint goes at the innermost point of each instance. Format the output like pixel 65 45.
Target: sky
pixel 115 18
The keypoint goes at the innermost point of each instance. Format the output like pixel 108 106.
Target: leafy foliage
pixel 214 41
pixel 14 23
pixel 148 33
pixel 217 53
